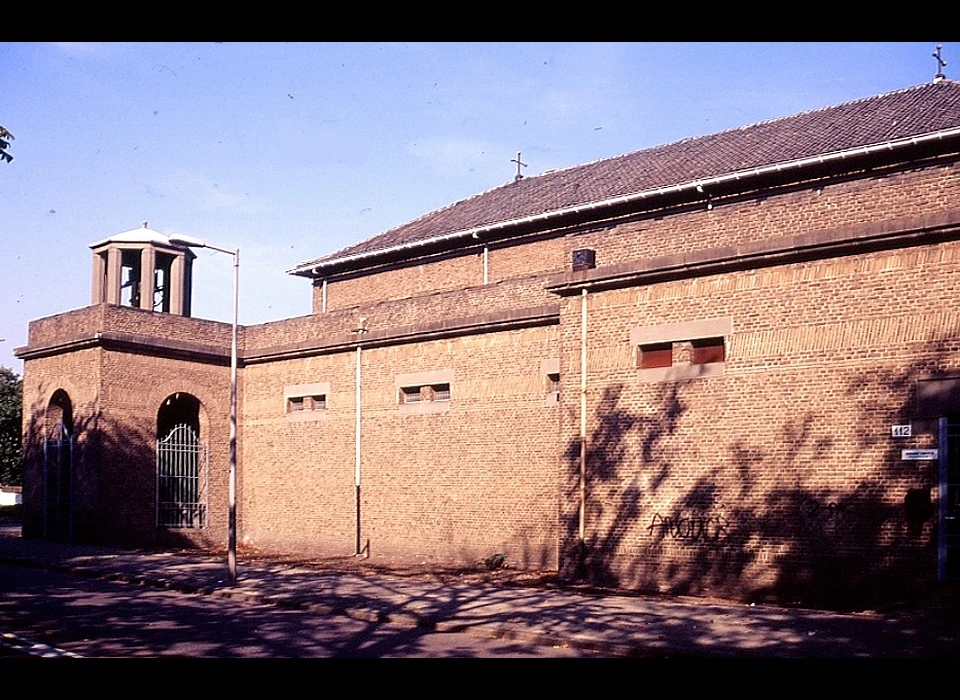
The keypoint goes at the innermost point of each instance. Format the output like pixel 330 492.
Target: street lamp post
pixel 191 242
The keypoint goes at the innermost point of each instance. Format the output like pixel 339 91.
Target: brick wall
pixel 116 397
pixel 769 475
pixel 78 375
pixel 399 314
pixel 452 487
pixel 445 273
pixel 779 477
pixel 134 388
pixel 773 215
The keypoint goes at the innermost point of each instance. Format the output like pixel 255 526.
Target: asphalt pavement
pixel 611 624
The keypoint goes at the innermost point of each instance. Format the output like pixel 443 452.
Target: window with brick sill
pixel 424 394
pixel 420 393
pixel 702 351
pixel 682 351
pixel 656 355
pixel 708 350
pixel 307 403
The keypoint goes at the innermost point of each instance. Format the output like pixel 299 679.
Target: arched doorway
pixel 181 464
pixel 58 453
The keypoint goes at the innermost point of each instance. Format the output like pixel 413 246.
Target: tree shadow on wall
pixel 97 486
pixel 605 498
pixel 790 520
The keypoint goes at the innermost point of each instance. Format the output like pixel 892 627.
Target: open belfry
pixel 728 365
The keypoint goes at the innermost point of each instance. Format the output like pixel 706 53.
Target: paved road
pixel 97 618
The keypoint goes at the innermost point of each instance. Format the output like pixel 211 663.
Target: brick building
pixel 729 365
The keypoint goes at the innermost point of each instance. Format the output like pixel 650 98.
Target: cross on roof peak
pixel 518 176
pixel 941 64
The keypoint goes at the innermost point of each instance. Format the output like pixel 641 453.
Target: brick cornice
pixel 214 354
pixel 130 342
pixel 849 240
pixel 486 323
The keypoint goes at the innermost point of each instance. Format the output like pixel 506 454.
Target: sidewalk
pixel 617 625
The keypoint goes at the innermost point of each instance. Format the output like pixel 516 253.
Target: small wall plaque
pixel 919 455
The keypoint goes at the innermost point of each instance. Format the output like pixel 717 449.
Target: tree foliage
pixel 11 412
pixel 5 138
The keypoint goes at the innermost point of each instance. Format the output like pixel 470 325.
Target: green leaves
pixel 11 423
pixel 5 138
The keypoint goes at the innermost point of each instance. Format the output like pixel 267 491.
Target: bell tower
pixel 143 269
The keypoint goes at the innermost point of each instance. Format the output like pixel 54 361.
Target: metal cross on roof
pixel 941 64
pixel 518 176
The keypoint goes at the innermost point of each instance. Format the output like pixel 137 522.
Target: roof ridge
pixel 660 165
pixel 735 129
pixel 430 214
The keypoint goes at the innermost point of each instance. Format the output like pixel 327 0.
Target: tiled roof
pixel 911 112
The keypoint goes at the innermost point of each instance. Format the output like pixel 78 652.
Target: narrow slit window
pixel 553 385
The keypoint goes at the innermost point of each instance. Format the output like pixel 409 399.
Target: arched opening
pixel 59 410
pixel 178 409
pixel 58 454
pixel 181 464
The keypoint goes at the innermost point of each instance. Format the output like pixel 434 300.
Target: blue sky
pixel 290 151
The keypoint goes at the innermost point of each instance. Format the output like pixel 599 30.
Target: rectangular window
pixel 410 394
pixel 682 351
pixel 550 371
pixel 317 402
pixel 424 392
pixel 553 384
pixel 708 350
pixel 656 355
pixel 306 401
pixel 419 394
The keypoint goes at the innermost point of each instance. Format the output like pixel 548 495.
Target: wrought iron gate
pixel 181 479
pixel 58 484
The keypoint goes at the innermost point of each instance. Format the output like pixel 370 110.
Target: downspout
pixel 357 451
pixel 323 296
pixel 583 421
pixel 942 497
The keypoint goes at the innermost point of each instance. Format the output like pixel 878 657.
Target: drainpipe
pixel 357 450
pixel 323 297
pixel 583 417
pixel 942 495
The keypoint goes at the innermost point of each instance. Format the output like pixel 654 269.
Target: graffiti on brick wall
pixel 690 529
pixel 816 517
